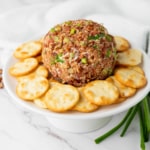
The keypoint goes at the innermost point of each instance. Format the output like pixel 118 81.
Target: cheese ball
pixel 79 51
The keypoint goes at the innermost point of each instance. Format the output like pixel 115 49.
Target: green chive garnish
pixel 84 60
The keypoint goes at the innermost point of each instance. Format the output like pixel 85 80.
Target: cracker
pixel 122 44
pixel 84 105
pixel 39 59
pixel 42 71
pixel 53 82
pixel 130 57
pixel 61 98
pixel 39 71
pixel 23 67
pixel 120 99
pixel 41 39
pixel 138 69
pixel 130 77
pixel 124 91
pixel 31 87
pixel 28 49
pixel 40 102
pixel 101 92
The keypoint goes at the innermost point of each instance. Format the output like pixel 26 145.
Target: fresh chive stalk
pixel 142 143
pixel 129 119
pixel 143 109
pixel 144 121
pixel 146 112
pixel 110 132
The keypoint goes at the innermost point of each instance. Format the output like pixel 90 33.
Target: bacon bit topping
pixel 82 45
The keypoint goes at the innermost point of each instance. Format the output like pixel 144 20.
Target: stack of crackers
pixel 35 84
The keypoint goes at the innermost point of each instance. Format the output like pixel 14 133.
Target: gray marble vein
pixel 31 120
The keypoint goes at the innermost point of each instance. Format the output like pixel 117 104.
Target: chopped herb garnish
pixel 108 53
pixel 52 30
pixel 68 23
pixel 57 28
pixel 84 60
pixel 78 24
pixel 73 31
pixel 102 29
pixel 59 58
pixel 107 71
pixel 96 37
pixel 82 43
pixel 71 55
pixel 56 39
pixel 66 40
pixel 52 61
pixel 110 71
pixel 115 54
pixel 95 46
pixel 108 37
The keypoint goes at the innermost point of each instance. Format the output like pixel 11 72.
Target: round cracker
pixel 61 98
pixel 23 67
pixel 32 87
pixel 101 92
pixel 124 91
pixel 40 103
pixel 130 57
pixel 138 69
pixel 39 59
pixel 130 77
pixel 84 105
pixel 120 99
pixel 53 82
pixel 122 44
pixel 28 49
pixel 42 71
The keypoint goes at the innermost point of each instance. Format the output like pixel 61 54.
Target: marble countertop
pixel 25 130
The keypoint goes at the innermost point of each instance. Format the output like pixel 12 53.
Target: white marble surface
pixel 21 129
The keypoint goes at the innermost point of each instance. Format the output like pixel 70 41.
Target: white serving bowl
pixel 76 121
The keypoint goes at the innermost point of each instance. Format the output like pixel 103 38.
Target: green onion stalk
pixel 143 109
